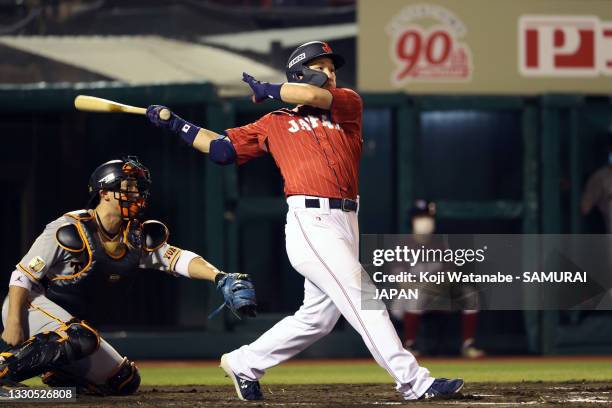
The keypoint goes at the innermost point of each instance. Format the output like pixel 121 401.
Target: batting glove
pixel 262 90
pixel 177 125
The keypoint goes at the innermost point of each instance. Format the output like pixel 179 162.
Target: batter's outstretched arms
pixel 198 137
pixel 294 93
pixel 219 146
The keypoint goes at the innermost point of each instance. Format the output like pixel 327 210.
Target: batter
pixel 317 147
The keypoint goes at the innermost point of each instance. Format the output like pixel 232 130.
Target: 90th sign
pixel 426 54
pixel 485 47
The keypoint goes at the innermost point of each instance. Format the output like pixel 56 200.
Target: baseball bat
pixel 93 104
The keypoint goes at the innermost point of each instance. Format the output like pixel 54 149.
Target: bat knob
pixel 164 114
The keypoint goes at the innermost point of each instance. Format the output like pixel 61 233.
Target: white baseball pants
pixel 323 246
pixel 46 315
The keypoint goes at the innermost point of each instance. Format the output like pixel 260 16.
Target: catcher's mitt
pixel 238 294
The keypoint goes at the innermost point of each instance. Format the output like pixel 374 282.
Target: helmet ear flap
pixel 308 76
pixel 313 77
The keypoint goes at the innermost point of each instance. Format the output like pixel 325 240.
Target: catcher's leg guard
pixel 125 380
pixel 59 378
pixel 46 350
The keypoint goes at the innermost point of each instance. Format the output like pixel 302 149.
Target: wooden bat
pixel 94 104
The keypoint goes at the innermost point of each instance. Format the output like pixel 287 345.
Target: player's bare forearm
pixel 203 139
pixel 13 331
pixel 198 137
pixel 18 298
pixel 199 268
pixel 304 94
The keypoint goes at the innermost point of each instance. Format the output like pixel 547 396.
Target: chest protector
pixel 97 271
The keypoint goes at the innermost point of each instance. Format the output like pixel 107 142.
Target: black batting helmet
pixel 108 177
pixel 297 70
pixel 423 208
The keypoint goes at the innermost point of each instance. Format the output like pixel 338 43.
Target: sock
pixel 411 327
pixel 468 323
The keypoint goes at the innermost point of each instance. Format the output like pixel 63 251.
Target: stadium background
pixel 493 163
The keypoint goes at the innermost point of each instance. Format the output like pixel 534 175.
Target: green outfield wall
pixel 493 164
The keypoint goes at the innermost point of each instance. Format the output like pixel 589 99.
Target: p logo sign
pixel 561 46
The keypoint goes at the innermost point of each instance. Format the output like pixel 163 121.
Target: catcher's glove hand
pixel 238 294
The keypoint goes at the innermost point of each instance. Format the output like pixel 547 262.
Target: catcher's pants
pixel 323 246
pixel 45 315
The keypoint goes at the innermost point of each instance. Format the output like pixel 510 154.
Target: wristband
pixel 273 90
pixel 18 278
pixel 181 265
pixel 187 131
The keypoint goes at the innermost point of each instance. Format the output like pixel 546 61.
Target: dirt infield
pixel 539 394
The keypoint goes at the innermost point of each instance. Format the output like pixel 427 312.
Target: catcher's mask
pixel 297 66
pixel 131 195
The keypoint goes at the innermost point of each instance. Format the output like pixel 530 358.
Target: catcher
pixel 84 257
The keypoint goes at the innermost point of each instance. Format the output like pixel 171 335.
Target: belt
pixel 344 204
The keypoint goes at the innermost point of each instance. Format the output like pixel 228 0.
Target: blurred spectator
pixel 423 227
pixel 598 191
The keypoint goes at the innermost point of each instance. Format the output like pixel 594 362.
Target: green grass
pixel 359 372
pixel 509 371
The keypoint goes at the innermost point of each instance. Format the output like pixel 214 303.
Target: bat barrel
pixel 94 104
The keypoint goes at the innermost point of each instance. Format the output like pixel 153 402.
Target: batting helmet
pixel 423 208
pixel 108 177
pixel 297 69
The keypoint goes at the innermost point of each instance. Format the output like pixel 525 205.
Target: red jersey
pixel 317 151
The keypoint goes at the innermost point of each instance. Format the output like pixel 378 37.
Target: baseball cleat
pixel 245 389
pixel 443 388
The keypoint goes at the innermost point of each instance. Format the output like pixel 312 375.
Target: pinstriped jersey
pixel 317 151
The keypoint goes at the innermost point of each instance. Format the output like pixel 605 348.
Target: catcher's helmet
pixel 423 208
pixel 108 177
pixel 297 70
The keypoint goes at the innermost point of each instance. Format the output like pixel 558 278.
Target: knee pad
pixel 126 379
pixel 82 340
pixel 43 351
pixel 31 357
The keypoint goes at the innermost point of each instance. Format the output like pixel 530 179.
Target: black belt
pixel 344 204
